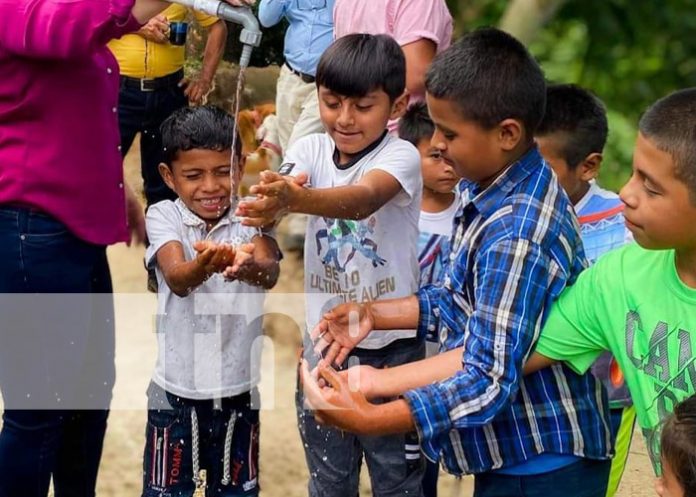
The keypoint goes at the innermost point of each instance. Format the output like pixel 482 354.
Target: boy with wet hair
pixel 571 138
pixel 363 205
pixel 212 272
pixel 516 246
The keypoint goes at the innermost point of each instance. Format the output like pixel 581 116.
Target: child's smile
pixel 201 179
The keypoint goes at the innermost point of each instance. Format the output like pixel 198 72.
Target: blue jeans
pixel 144 112
pixel 585 478
pixel 231 464
pixel 56 356
pixel 334 457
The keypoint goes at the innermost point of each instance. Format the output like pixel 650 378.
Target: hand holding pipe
pixel 251 32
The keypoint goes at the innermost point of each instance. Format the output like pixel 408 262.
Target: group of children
pixel 456 233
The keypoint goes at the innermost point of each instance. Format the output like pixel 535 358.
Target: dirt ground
pixel 283 471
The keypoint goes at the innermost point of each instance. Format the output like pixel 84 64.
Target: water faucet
pixel 251 32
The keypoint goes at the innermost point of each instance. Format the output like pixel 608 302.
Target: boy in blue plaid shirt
pixel 516 246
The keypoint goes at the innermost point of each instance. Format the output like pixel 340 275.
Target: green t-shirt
pixel 632 303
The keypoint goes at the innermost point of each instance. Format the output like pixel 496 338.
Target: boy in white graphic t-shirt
pixel 362 190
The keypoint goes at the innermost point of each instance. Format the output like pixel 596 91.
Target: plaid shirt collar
pixel 488 200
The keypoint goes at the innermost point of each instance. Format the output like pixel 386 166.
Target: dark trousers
pixel 231 464
pixel 334 457
pixel 143 112
pixel 56 356
pixel 585 478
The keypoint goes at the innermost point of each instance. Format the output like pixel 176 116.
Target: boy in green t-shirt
pixel 639 302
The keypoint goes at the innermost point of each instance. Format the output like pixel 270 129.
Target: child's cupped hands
pixel 242 265
pixel 214 257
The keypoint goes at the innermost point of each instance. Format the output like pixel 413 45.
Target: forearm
pixel 343 202
pixel 263 273
pixel 184 277
pixel 144 10
pixel 389 419
pixel 214 48
pixel 392 382
pixel 394 314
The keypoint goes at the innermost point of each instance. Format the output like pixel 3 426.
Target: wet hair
pixel 207 127
pixel 357 64
pixel 678 444
pixel 416 125
pixel 490 77
pixel 670 124
pixel 580 120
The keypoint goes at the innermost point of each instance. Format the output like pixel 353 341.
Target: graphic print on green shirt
pixel 632 303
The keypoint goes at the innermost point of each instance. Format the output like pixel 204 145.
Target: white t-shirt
pixel 207 341
pixel 360 260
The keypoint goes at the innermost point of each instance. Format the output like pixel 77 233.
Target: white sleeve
pixel 302 156
pixel 402 161
pixel 163 225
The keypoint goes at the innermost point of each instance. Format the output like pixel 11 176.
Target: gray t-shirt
pixel 209 341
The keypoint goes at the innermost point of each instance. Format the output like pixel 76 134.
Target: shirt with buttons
pixel 59 138
pixel 516 246
pixel 309 33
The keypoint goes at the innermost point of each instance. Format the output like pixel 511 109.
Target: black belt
pixel 307 78
pixel 152 84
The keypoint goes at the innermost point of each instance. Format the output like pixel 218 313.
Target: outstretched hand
pixel 329 394
pixel 274 194
pixel 341 330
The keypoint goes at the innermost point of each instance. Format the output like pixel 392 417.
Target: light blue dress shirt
pixel 309 33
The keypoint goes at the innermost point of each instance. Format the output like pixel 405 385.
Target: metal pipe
pixel 251 32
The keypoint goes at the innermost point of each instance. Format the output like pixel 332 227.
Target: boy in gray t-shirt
pixel 212 272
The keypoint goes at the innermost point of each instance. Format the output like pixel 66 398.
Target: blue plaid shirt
pixel 516 246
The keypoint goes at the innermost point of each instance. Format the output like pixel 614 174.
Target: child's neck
pixel 435 201
pixel 686 267
pixel 513 156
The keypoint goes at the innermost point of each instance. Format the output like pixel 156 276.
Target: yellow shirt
pixel 141 58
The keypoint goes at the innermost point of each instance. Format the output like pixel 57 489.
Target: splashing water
pixel 234 198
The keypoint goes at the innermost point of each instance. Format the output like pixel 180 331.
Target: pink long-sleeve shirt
pixel 59 137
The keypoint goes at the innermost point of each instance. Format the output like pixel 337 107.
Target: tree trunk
pixel 524 18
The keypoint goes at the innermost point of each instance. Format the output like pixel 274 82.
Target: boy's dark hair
pixel 416 125
pixel 580 118
pixel 490 76
pixel 356 64
pixel 207 127
pixel 670 124
pixel 678 444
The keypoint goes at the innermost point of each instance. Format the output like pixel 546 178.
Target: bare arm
pixel 419 56
pixel 183 276
pixel 537 362
pixel 278 195
pixel 345 326
pixel 143 10
pixel 197 89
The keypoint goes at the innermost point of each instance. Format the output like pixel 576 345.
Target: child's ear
pixel 400 105
pixel 589 168
pixel 510 133
pixel 166 173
